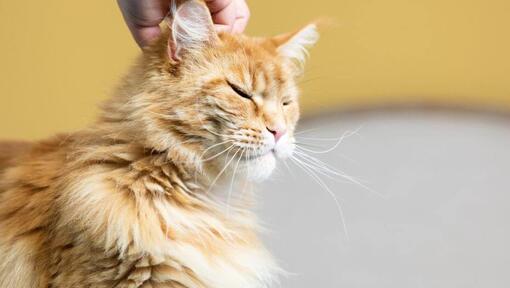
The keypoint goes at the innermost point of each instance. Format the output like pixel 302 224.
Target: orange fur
pixel 9 150
pixel 128 202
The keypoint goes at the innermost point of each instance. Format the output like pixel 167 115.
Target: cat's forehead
pixel 259 71
pixel 261 77
pixel 253 65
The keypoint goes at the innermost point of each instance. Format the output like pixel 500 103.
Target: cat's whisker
pixel 319 168
pixel 213 146
pixel 306 144
pixel 339 141
pixel 222 171
pixel 299 145
pixel 306 131
pixel 226 150
pixel 185 141
pixel 288 168
pixel 322 184
pixel 219 153
pixel 244 166
pixel 232 181
pixel 319 138
pixel 225 160
pixel 317 162
pixel 330 171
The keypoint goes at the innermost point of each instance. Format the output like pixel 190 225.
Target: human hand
pixel 144 16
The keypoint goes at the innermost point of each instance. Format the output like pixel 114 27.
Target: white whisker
pixel 306 131
pixel 321 183
pixel 288 168
pixel 222 171
pixel 339 141
pixel 232 181
pixel 211 147
pixel 325 171
pixel 218 154
pixel 325 168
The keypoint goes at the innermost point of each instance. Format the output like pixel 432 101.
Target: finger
pixel 222 28
pixel 217 5
pixel 143 18
pixel 145 35
pixel 239 25
pixel 243 15
pixel 223 16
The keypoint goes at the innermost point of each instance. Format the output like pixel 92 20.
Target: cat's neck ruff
pixel 161 212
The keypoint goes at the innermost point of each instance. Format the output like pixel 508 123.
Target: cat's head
pixel 220 98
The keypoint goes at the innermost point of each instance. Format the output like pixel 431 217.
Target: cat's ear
pixel 191 28
pixel 295 46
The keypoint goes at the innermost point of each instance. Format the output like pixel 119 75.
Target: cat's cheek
pixel 261 168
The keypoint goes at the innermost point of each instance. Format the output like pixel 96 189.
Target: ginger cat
pixel 143 198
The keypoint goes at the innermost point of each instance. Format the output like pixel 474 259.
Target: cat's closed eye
pixel 239 91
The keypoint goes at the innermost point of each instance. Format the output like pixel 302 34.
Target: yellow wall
pixel 59 58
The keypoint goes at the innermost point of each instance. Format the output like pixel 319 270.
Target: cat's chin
pixel 261 168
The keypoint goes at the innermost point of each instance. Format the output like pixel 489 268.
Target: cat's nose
pixel 277 132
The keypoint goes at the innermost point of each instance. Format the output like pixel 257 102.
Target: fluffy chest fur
pixel 120 222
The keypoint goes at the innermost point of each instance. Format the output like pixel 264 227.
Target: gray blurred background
pixel 437 216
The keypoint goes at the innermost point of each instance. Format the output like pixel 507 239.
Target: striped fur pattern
pixel 156 192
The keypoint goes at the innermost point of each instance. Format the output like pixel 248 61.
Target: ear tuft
pixel 295 47
pixel 191 28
